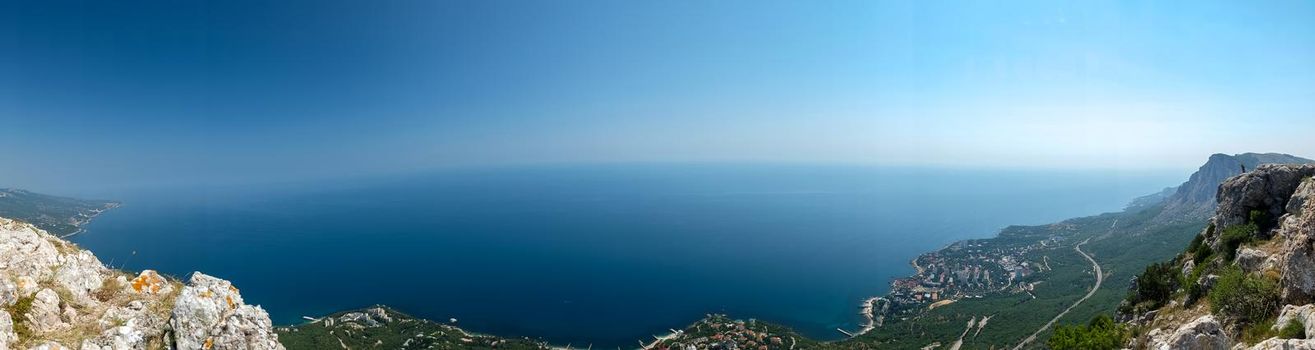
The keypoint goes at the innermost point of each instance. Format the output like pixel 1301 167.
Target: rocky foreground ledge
pixel 1248 281
pixel 54 295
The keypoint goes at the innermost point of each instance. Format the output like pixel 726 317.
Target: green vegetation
pixel 1234 236
pixel 58 215
pixel 1242 298
pixel 1295 329
pixel 1198 249
pixel 1155 286
pixel 401 332
pixel 1258 332
pixel 16 311
pixel 1100 333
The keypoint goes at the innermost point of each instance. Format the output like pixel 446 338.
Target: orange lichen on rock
pixel 230 302
pixel 148 282
pixel 209 343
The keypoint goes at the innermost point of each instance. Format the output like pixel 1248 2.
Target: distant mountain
pixel 60 216
pixel 1195 199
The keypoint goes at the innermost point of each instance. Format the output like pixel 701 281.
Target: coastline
pixel 81 224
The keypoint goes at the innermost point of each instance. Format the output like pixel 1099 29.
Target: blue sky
pixel 131 93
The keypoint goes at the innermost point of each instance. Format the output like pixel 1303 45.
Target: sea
pixel 591 254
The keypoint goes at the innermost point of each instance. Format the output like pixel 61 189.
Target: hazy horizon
pixel 116 95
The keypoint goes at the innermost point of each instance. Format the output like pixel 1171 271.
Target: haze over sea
pixel 603 254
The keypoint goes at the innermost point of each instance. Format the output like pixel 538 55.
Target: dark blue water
pixel 590 254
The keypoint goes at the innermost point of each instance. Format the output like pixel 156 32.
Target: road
pixel 1100 277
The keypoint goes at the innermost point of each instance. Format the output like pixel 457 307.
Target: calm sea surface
pixel 591 254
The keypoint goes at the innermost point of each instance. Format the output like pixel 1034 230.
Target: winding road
pixel 1100 277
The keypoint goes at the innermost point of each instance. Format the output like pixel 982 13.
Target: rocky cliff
pixel 54 295
pixel 1249 279
pixel 1195 199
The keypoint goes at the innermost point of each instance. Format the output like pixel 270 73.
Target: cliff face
pixel 54 295
pixel 1263 228
pixel 1196 198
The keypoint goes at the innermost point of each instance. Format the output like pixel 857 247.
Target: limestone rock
pixel 8 292
pixel 7 335
pixel 50 345
pixel 1204 333
pixel 1304 193
pixel 1281 344
pixel 80 273
pixel 1267 189
pixel 27 286
pixel 1297 258
pixel 45 315
pixel 210 314
pixel 1196 198
pixel 1304 313
pixel 248 327
pixel 150 282
pixel 26 251
pixel 127 337
pixel 136 315
pixel 1251 259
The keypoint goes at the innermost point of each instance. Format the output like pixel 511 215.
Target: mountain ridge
pixel 1195 198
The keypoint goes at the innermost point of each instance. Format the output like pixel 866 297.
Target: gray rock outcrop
pixel 1203 333
pixel 25 254
pixel 1267 189
pixel 1251 259
pixel 1297 259
pixel 1196 198
pixel 1280 344
pixel 7 335
pixel 1291 313
pixel 46 315
pixel 75 298
pixel 210 314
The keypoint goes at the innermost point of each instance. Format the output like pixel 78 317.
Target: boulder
pixel 127 337
pixel 248 327
pixel 1251 259
pixel 7 335
pixel 45 315
pixel 1203 333
pixel 134 314
pixel 150 282
pixel 80 273
pixel 210 313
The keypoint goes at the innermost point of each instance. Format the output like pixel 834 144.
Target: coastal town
pixel 966 269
